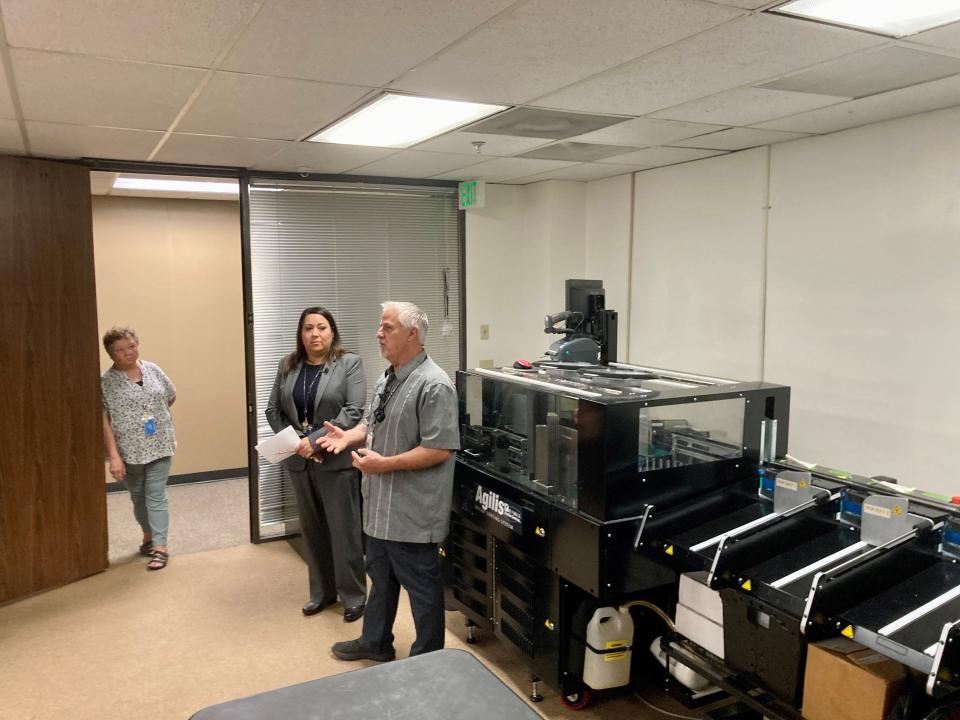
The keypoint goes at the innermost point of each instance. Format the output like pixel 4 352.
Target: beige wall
pixel 171 269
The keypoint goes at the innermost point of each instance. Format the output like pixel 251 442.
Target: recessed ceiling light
pixel 184 186
pixel 887 17
pixel 399 121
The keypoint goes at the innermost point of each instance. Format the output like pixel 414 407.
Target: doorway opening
pixel 168 264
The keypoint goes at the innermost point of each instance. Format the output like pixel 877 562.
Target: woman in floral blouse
pixel 139 437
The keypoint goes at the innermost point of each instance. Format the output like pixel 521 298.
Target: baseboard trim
pixel 187 478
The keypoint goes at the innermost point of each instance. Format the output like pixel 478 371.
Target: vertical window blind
pixel 348 248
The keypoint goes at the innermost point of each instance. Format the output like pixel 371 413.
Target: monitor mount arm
pixel 550 321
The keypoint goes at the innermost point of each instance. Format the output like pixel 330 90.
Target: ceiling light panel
pixel 896 18
pixel 220 187
pixel 399 121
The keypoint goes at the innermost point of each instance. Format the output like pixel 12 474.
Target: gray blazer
pixel 341 398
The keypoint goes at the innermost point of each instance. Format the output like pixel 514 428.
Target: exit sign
pixel 473 194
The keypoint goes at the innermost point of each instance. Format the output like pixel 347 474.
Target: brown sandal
pixel 158 560
pixel 147 549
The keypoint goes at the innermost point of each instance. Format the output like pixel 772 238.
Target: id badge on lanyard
pixel 149 425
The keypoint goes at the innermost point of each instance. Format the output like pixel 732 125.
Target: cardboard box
pixel 846 681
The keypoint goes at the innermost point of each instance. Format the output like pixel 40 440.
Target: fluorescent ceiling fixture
pixel 887 17
pixel 399 121
pixel 184 186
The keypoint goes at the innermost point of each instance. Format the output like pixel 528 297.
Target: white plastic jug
pixel 609 648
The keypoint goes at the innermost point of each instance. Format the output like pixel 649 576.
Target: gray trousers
pixel 329 505
pixel 147 485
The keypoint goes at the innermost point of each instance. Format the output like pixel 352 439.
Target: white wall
pixel 851 287
pixel 520 248
pixel 697 268
pixel 608 234
pixel 863 310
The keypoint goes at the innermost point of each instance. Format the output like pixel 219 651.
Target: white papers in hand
pixel 279 447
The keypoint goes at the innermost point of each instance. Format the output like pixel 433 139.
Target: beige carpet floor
pixel 212 627
pixel 203 516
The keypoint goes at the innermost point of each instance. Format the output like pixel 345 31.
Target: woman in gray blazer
pixel 320 382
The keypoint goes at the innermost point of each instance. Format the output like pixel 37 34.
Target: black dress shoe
pixel 352 614
pixel 314 606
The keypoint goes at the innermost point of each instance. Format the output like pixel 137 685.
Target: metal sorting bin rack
pixel 814 560
pixel 903 598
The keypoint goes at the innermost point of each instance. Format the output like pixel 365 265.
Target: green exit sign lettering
pixel 473 194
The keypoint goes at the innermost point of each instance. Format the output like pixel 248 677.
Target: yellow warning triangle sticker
pixel 847 631
pixel 669 550
pixel 748 586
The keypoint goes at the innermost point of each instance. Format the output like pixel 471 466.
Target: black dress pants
pixel 328 502
pixel 415 567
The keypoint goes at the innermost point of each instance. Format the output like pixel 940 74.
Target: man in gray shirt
pixel 409 436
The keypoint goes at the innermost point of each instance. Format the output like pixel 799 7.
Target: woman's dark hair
pixel 300 354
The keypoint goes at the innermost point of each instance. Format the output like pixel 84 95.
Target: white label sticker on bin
pixel 787 484
pixel 876 510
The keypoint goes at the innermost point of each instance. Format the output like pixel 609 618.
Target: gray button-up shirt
pixel 421 409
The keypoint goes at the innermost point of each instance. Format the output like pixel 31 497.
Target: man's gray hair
pixel 410 316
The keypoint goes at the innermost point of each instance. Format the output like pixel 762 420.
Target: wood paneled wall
pixel 53 525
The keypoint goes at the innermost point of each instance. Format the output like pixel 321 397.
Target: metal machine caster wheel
pixel 535 695
pixel 577 700
pixel 471 639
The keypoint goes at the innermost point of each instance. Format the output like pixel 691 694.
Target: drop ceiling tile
pixel 362 42
pixel 493 145
pixel 212 150
pixel 738 53
pixel 503 169
pixel 871 72
pixel 575 151
pixel 886 106
pixel 582 173
pixel 746 4
pixel 76 141
pixel 660 156
pixel 180 33
pixel 946 37
pixel 322 158
pixel 746 106
pixel 256 106
pixel 11 141
pixel 738 139
pixel 93 91
pixel 541 123
pixel 642 132
pixel 539 46
pixel 7 111
pixel 416 164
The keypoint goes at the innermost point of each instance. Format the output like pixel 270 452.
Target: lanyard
pixel 307 410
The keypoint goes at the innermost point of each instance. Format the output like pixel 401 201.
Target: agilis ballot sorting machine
pixel 563 464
